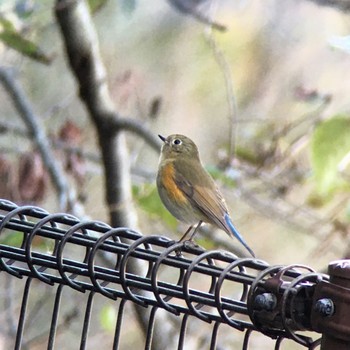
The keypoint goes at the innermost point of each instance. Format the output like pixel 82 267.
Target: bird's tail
pixel 237 234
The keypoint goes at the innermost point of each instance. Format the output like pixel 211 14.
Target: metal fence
pixel 282 302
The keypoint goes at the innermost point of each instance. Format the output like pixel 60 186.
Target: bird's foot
pixel 190 244
pixel 178 253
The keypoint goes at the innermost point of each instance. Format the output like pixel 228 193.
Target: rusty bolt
pixel 325 307
pixel 265 301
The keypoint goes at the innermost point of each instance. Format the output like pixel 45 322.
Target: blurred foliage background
pixel 266 101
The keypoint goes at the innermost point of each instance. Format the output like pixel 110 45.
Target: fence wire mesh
pixel 246 294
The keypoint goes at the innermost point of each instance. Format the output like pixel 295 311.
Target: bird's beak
pixel 162 138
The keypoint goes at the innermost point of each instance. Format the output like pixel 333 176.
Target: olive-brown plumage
pixel 188 191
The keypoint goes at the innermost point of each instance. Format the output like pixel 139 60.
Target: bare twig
pixel 139 129
pixel 343 5
pixel 36 131
pixel 191 7
pixel 119 124
pixel 6 127
pixel 230 95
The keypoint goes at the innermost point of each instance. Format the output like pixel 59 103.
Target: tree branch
pixel 36 130
pixel 137 128
pixel 82 49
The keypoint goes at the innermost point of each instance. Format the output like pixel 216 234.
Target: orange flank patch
pixel 169 184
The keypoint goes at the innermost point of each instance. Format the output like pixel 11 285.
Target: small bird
pixel 188 191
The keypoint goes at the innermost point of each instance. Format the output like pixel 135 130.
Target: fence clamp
pixel 330 312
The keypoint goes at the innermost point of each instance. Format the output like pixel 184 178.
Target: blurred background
pixel 265 100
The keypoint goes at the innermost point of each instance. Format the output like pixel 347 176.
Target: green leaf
pixel 15 40
pixel 96 5
pixel 329 144
pixel 13 239
pixel 148 199
pixel 108 318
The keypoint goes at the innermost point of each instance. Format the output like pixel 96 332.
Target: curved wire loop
pixel 124 280
pixel 101 287
pixel 53 221
pixel 209 256
pixel 164 302
pixel 136 270
pixel 84 227
pixel 21 212
pixel 287 306
pixel 240 264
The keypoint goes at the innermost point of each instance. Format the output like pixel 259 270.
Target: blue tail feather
pixel 237 234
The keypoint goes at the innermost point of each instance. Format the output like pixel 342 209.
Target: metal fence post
pixel 331 307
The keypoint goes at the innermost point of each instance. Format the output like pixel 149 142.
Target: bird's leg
pixel 178 252
pixel 185 234
pixel 190 240
pixel 195 230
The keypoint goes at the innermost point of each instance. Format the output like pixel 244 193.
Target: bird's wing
pixel 210 201
pixel 205 197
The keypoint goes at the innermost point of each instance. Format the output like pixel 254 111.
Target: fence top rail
pixel 215 286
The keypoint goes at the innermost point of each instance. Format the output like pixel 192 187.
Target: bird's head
pixel 178 146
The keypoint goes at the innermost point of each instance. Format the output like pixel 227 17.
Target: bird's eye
pixel 177 142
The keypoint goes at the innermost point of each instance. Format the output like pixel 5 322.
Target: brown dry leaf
pixel 32 179
pixel 127 90
pixel 7 179
pixel 76 165
pixel 70 134
pixel 155 107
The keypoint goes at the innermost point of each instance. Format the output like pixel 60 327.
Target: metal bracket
pixel 330 314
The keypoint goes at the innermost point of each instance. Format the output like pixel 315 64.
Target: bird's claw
pixel 190 244
pixel 178 253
